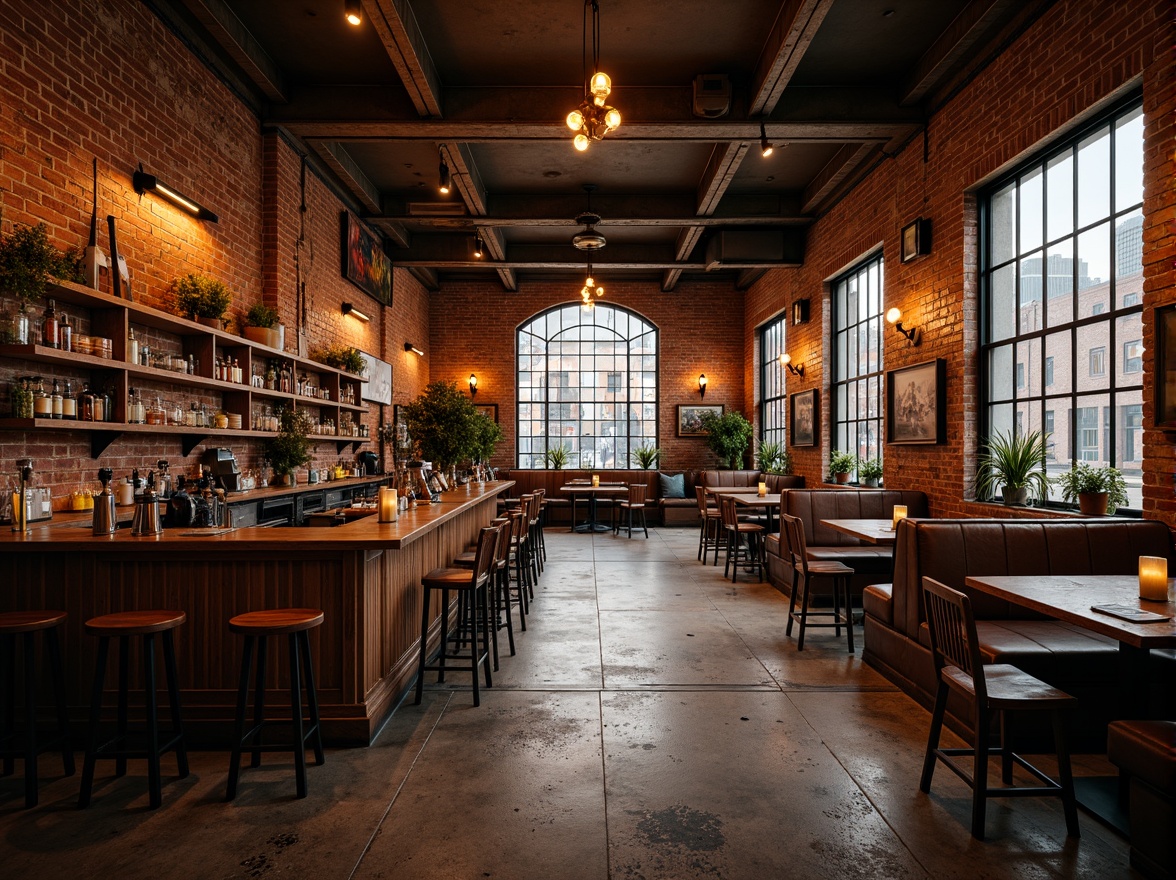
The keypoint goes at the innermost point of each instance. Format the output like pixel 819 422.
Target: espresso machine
pixel 221 465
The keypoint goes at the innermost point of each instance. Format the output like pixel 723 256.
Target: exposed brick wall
pixel 1040 87
pixel 473 331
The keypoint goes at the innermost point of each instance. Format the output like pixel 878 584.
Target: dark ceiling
pixel 487 84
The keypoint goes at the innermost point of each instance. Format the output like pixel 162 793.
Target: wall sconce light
pixel 800 311
pixel 914 335
pixel 443 181
pixel 352 12
pixel 766 148
pixel 786 361
pixel 473 384
pixel 478 251
pixel 408 346
pixel 349 309
pixel 702 384
pixel 143 183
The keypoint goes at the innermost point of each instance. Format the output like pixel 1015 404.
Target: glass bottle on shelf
pixel 50 337
pixel 20 325
pixel 66 333
pixel 55 401
pixel 191 365
pixel 22 398
pixel 42 404
pixel 132 347
pixel 69 404
pixel 86 403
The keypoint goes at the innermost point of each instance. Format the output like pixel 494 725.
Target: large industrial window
pixel 587 381
pixel 1061 277
pixel 773 400
pixel 857 361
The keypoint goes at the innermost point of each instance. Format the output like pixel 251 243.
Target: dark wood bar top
pixel 73 534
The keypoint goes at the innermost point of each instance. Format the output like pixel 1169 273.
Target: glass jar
pixel 22 398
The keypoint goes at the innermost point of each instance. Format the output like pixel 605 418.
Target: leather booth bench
pixel 870 562
pixel 1066 656
pixel 1145 752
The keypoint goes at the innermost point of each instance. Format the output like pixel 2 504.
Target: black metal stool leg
pixel 173 696
pixel 30 755
pixel 8 733
pixel 312 697
pixel 124 663
pixel 95 716
pixel 420 683
pixel 154 785
pixel 53 649
pixel 258 704
pixel 296 718
pixel 242 703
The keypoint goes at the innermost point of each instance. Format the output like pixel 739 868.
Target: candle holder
pixel 762 491
pixel 900 512
pixel 595 481
pixel 1153 578
pixel 389 505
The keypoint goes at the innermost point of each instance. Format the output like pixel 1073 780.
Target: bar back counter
pixel 365 576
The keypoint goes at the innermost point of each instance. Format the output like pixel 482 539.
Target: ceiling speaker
pixel 712 95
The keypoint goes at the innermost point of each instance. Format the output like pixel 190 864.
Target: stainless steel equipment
pixel 221 464
pixel 105 520
pixel 147 521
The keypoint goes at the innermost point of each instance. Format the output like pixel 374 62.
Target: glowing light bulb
pixel 575 120
pixel 581 142
pixel 600 85
pixel 612 118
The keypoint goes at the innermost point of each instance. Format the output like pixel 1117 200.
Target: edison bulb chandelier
pixel 590 290
pixel 594 118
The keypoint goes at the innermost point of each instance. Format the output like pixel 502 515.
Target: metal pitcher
pixel 105 520
pixel 146 521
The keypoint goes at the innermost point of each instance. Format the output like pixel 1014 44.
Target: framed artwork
pixel 690 418
pixel 488 409
pixel 804 429
pixel 916 239
pixel 1166 368
pixel 364 263
pixel 377 379
pixel 916 403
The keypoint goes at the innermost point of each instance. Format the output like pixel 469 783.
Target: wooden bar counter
pixel 364 575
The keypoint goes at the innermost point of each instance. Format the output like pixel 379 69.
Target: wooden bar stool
pixel 499 582
pixel 26 624
pixel 125 624
pixel 806 573
pixel 256 626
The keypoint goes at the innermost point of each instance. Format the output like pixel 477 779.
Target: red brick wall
pixel 106 79
pixel 1038 88
pixel 474 332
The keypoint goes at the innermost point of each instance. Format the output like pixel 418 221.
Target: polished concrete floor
pixel 655 723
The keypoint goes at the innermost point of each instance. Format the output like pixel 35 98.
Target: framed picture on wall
pixel 364 262
pixel 804 429
pixel 489 410
pixel 690 418
pixel 916 403
pixel 916 239
pixel 377 379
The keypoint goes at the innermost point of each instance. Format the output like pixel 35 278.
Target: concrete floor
pixel 656 723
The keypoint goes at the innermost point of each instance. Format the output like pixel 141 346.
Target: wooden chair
pixel 749 553
pixel 994 689
pixel 500 583
pixel 634 503
pixel 805 574
pixel 710 530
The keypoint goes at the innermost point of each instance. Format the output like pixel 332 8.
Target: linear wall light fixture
pixel 786 361
pixel 349 309
pixel 408 346
pixel 913 335
pixel 143 183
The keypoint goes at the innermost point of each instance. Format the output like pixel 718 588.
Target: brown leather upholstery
pixel 1146 751
pixel 730 478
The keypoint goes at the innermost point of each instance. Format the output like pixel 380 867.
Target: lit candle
pixel 596 481
pixel 389 507
pixel 763 489
pixel 900 512
pixel 1153 578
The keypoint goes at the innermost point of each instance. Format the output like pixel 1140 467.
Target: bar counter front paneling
pixel 364 575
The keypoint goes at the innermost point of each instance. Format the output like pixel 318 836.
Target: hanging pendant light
pixel 594 118
pixel 589 291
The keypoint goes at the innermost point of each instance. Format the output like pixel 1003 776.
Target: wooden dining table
pixel 768 503
pixel 872 531
pixel 577 489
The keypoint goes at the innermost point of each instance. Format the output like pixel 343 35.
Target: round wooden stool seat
pixel 448 579
pixel 135 623
pixel 12 622
pixel 276 621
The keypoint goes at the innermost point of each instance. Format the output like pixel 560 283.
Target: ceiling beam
pixel 348 171
pixel 465 176
pixel 831 179
pixel 396 25
pixel 960 39
pixel 238 43
pixel 791 35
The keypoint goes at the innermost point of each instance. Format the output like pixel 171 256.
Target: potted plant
pixel 556 457
pixel 1016 465
pixel 344 357
pixel 1099 491
pixel 774 458
pixel 841 465
pixel 27 260
pixel 646 455
pixel 261 322
pixel 727 436
pixel 201 298
pixel 444 424
pixel 291 448
pixel 487 435
pixel 870 472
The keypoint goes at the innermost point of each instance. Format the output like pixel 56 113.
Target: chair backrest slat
pixel 637 493
pixel 953 631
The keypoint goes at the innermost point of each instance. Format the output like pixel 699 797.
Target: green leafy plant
pixel 1082 479
pixel 1013 462
pixel 556 457
pixel 870 470
pixel 27 259
pixel 199 296
pixel 291 448
pixel 773 458
pixel 727 436
pixel 842 462
pixel 487 435
pixel 444 424
pixel 646 455
pixel 343 357
pixel 261 315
